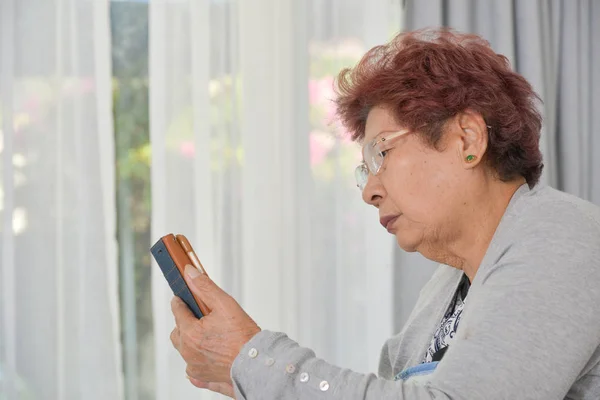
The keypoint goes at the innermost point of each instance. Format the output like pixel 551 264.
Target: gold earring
pixel 470 158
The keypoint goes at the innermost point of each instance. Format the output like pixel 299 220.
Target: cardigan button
pixel 304 377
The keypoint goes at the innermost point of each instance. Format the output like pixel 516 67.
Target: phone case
pixel 171 259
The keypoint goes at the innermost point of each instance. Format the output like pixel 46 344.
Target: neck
pixel 482 215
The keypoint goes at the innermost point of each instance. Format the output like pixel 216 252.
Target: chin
pixel 407 244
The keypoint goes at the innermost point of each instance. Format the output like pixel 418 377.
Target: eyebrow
pixel 386 131
pixel 395 133
pixel 363 141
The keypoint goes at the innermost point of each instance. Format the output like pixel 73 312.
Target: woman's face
pixel 423 187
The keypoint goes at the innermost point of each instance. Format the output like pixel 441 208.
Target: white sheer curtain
pixel 246 162
pixel 59 334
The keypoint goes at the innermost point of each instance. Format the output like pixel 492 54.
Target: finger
pixel 175 338
pixel 218 387
pixel 183 315
pixel 223 388
pixel 204 288
pixel 198 384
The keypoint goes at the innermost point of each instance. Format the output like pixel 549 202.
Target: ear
pixel 473 138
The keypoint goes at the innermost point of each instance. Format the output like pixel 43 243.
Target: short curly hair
pixel 427 76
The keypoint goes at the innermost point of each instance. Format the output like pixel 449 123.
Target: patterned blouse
pixel 447 329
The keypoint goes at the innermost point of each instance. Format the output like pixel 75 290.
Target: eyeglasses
pixel 373 155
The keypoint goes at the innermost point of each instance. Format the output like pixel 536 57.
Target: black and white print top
pixel 447 329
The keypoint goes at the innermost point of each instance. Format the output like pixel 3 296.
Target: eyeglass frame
pixel 364 169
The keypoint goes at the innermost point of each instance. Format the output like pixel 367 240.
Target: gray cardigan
pixel 530 328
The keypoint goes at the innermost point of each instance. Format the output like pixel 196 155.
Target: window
pixel 129 26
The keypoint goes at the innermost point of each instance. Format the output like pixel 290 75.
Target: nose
pixel 374 192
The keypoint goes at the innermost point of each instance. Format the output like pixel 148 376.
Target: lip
pixel 388 221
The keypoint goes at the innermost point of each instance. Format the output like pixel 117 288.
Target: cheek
pixel 419 187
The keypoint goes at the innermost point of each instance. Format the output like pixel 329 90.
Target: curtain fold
pixel 248 162
pixel 59 303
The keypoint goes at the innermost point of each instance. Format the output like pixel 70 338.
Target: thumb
pixel 203 287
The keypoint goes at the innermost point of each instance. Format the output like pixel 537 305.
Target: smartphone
pixel 172 253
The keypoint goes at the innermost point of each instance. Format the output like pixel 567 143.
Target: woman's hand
pixel 210 344
pixel 217 387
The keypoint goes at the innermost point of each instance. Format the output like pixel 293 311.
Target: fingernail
pixel 191 271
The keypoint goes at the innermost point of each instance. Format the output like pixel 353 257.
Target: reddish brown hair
pixel 426 77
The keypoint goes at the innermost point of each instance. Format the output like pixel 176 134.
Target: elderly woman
pixel 450 141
